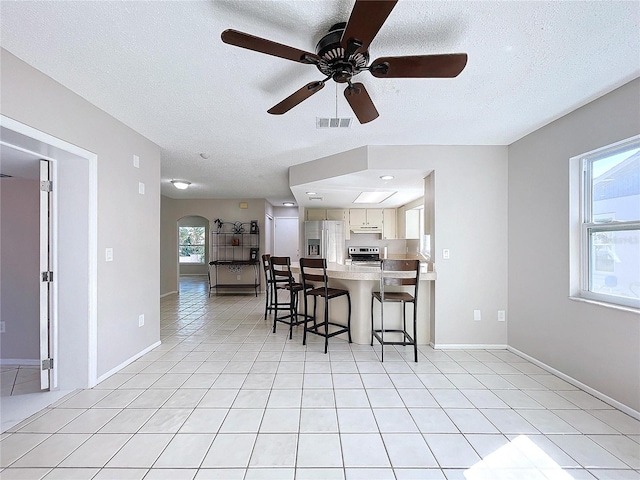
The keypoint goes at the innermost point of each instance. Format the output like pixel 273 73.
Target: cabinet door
pixel 389 223
pixel 374 217
pixel 357 217
pixel 336 214
pixel 316 214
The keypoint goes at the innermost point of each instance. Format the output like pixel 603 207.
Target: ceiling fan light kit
pixel 343 53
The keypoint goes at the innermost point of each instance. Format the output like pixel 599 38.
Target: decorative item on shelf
pixel 254 226
pixel 235 242
pixel 238 228
pixel 253 254
pixel 218 223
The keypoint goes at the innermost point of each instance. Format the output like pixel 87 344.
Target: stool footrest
pixel 316 329
pixel 408 339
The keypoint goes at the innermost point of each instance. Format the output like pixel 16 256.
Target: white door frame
pixel 48 147
pixel 46 287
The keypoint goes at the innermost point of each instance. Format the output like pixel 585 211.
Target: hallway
pixel 224 398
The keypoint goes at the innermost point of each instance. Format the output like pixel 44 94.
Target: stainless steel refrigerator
pixel 325 239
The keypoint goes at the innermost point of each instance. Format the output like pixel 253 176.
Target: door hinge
pixel 47 277
pixel 46 186
pixel 47 364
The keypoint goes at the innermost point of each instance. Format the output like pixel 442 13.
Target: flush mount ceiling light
pixel 181 184
pixel 386 177
pixel 373 197
pixel 288 204
pixel 311 193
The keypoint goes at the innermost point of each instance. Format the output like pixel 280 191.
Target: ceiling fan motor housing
pixel 332 62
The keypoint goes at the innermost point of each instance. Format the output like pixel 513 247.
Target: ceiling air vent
pixel 333 122
pixel 317 199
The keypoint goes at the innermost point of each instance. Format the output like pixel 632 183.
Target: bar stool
pixel 325 292
pixel 283 280
pixel 401 273
pixel 269 285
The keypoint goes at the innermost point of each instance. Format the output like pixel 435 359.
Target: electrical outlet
pixel 136 161
pixel 108 254
pixel 141 320
pixel 501 316
pixel 2 327
pixel 477 316
pixel 445 254
pixel 238 277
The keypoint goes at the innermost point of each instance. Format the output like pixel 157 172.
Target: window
pixel 610 224
pixel 191 244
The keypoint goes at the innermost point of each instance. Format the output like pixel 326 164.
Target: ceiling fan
pixel 344 52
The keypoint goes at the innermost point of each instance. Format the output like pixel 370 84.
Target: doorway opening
pixel 73 267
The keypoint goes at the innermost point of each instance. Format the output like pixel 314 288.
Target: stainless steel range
pixel 364 255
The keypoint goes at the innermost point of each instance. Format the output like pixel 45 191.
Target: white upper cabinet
pixel 389 227
pixel 312 214
pixel 339 214
pixel 365 218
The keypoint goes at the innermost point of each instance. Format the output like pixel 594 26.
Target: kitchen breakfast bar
pixel 361 281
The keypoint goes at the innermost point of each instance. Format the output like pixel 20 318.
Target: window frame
pixel 203 245
pixel 588 226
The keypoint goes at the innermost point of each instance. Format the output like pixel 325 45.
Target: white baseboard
pixel 168 293
pixel 27 362
pixel 614 403
pixel 466 346
pixel 104 376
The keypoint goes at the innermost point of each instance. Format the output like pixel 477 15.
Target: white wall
pixel 127 221
pixel 470 202
pixel 595 345
pixel 19 271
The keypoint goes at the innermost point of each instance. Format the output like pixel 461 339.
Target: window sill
pixel 606 304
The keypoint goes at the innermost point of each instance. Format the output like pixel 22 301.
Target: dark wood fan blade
pixel 257 44
pixel 365 21
pixel 361 103
pixel 420 66
pixel 292 100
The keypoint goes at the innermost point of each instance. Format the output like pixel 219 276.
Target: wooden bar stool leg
pixel 372 299
pixel 415 334
pixel 349 317
pixel 306 320
pixel 382 330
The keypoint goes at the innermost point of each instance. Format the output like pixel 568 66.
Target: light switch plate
pixel 477 316
pixel 136 161
pixel 141 188
pixel 501 316
pixel 445 254
pixel 141 320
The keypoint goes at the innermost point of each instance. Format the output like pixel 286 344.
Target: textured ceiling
pixel 161 68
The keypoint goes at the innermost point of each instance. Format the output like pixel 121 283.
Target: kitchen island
pixel 361 281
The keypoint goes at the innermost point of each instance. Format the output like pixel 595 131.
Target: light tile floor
pixel 18 380
pixel 224 398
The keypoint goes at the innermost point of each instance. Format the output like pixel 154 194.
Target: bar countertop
pixel 362 272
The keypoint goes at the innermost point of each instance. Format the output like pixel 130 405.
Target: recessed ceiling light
pixel 373 197
pixel 311 193
pixel 288 204
pixel 181 184
pixel 386 177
